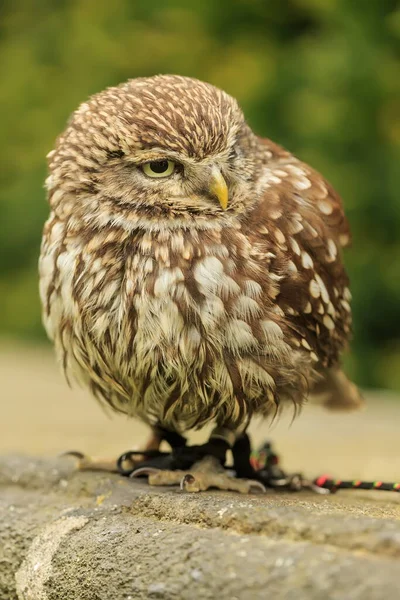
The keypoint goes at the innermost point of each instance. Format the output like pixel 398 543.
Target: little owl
pixel 191 272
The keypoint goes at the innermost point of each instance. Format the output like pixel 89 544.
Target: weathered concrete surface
pixel 89 536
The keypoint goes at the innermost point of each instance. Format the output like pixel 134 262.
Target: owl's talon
pixel 74 453
pixel 129 459
pixel 144 471
pixel 257 487
pixel 191 485
pixel 186 480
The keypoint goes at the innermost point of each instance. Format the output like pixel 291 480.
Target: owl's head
pixel 161 147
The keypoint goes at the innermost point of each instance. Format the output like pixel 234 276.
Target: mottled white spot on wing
pixel 312 230
pixel 280 173
pixel 307 308
pixel 327 321
pixel 315 290
pixel 331 310
pixel 324 291
pixel 295 246
pixel 347 294
pixel 325 207
pixel 277 310
pixel 274 179
pixel 306 260
pixel 332 250
pixel 275 214
pixel 296 170
pixel 344 239
pixel 345 305
pixel 295 227
pixel 280 238
pixel 302 183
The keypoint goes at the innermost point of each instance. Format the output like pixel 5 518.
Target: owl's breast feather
pixel 168 317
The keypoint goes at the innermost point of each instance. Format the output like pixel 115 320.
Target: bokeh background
pixel 321 77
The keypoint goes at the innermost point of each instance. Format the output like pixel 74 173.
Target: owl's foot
pixel 199 468
pixel 205 474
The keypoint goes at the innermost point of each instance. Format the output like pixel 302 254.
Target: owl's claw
pixel 186 480
pixel 88 463
pixel 74 453
pixel 143 471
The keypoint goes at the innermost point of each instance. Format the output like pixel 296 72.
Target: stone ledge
pixel 91 536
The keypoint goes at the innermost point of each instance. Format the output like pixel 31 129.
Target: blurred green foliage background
pixel 321 77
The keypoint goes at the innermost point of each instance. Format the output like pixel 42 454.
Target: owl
pixel 191 272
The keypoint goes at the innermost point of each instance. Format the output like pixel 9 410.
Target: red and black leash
pixel 266 463
pixel 337 484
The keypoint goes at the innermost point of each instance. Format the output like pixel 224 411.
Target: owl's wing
pixel 300 227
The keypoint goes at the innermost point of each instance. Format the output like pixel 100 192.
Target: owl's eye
pixel 159 168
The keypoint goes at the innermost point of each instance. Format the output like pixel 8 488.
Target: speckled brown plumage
pixel 168 307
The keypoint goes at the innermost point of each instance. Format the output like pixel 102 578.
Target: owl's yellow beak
pixel 218 188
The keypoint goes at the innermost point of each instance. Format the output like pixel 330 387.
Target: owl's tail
pixel 336 392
